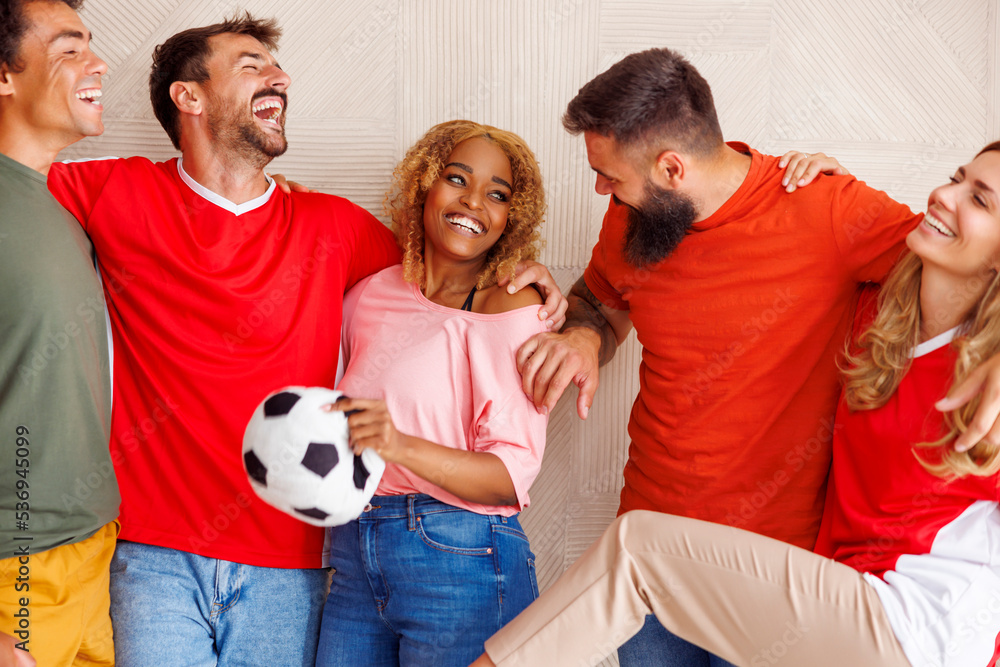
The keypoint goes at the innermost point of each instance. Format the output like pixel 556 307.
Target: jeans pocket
pixel 458 532
pixel 516 566
pixel 532 575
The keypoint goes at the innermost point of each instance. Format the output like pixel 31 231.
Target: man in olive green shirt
pixel 58 494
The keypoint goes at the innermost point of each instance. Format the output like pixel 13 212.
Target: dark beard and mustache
pixel 657 225
pixel 241 136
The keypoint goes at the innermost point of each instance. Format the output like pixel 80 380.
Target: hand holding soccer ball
pixel 299 459
pixel 371 427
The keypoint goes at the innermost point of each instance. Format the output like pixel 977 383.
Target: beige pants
pixel 749 599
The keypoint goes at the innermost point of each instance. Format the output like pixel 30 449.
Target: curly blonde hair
pixel 423 163
pixel 883 354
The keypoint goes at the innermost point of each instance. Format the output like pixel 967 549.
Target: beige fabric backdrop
pixel 901 91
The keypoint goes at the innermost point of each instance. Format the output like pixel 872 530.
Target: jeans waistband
pixel 413 505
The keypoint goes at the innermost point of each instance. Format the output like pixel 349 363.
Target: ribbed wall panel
pixel 124 137
pixel 571 58
pixel 993 69
pixel 602 450
pixel 686 25
pixel 118 35
pixel 342 59
pixel 546 527
pixel 871 71
pixel 962 33
pixel 742 100
pixel 349 158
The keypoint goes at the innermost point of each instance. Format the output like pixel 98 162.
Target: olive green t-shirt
pixel 57 482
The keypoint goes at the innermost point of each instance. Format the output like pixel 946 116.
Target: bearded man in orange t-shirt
pixel 740 324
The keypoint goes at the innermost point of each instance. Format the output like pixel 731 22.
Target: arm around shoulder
pixel 869 228
pixel 550 362
pixel 79 184
pixel 372 245
pixel 589 312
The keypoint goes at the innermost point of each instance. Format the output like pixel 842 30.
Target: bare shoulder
pixel 497 300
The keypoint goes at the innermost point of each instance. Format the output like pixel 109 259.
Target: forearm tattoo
pixel 585 311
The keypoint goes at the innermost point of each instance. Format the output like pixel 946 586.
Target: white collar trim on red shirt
pixel 219 200
pixel 938 341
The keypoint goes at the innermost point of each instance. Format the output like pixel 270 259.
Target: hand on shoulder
pixel 801 169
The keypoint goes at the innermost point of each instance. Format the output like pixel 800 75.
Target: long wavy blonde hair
pixel 878 360
pixel 423 163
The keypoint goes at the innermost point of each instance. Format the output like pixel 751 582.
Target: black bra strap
pixel 467 306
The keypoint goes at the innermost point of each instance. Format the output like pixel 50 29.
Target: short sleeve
pixel 507 424
pixel 869 229
pixel 374 247
pixel 350 306
pixel 604 258
pixel 77 185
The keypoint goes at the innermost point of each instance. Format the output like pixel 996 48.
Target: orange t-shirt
pixel 740 328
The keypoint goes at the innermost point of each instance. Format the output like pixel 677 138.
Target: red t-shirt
pixel 740 328
pixel 882 504
pixel 212 307
pixel 930 547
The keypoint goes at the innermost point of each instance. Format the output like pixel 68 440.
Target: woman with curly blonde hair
pixel 425 161
pixel 438 561
pixel 906 570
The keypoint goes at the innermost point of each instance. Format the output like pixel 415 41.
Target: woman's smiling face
pixel 466 209
pixel 961 231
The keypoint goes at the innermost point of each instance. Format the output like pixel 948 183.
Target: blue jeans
pixel 170 607
pixel 420 582
pixel 655 645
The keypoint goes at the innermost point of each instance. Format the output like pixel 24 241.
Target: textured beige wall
pixel 901 91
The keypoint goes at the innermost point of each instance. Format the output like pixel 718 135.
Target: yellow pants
pixel 56 603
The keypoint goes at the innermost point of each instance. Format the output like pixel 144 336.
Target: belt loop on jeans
pixel 411 517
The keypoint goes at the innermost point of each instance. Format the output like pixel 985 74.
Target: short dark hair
pixel 13 25
pixel 182 58
pixel 654 98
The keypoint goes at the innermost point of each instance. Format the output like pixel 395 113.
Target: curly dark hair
pixel 182 58
pixel 653 98
pixel 423 163
pixel 13 25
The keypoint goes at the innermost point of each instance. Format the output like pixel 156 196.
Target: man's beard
pixel 240 135
pixel 657 225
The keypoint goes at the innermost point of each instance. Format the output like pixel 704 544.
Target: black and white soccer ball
pixel 299 459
